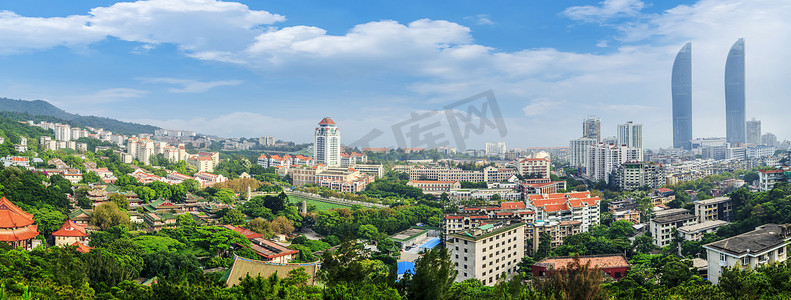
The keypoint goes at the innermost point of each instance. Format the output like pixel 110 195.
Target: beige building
pixel 435 187
pixel 664 222
pixel 488 251
pixel 765 244
pixel 69 233
pixel 720 208
pixel 695 232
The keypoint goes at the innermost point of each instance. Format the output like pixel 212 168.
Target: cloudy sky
pixel 255 68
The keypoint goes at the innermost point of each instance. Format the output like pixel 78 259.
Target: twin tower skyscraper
pixel 681 86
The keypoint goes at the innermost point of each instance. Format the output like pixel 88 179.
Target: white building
pixel 591 128
pixel 631 135
pixel 487 251
pixel 578 150
pixel 62 132
pixel 764 245
pixel 662 225
pixel 602 159
pixel 493 149
pixel 327 143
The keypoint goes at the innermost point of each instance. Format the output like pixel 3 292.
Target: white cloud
pixel 482 19
pixel 438 59
pixel 192 86
pixel 540 107
pixel 607 10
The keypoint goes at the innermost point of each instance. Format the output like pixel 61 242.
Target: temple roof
pixel 81 247
pixel 70 229
pixel 19 234
pixel 12 216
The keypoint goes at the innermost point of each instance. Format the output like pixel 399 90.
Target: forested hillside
pixel 39 110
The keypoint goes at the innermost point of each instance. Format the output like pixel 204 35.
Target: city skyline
pixel 252 69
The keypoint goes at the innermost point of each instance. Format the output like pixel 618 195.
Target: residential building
pixel 631 135
pixel 767 243
pixel 209 179
pixel 16 226
pixel 734 94
pixel 494 149
pixel 541 186
pixel 486 252
pixel 662 225
pixel 768 178
pixel 202 163
pixel 62 132
pixel 435 187
pixel 376 170
pixel 695 232
pixel 769 139
pixel 575 206
pixel 681 92
pixel 533 167
pixel 615 266
pixel 70 233
pixel 353 158
pixel 591 128
pixel 630 176
pixel 720 208
pixel 327 143
pixel 557 230
pixel 601 160
pixel 267 141
pixel 578 150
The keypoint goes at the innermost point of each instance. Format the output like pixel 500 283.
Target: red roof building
pixel 614 266
pixel 81 247
pixel 16 226
pixel 70 233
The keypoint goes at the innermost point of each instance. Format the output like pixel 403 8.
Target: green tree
pixel 434 275
pixel 225 196
pixel 108 215
pixel 234 217
pixel 90 177
pixel 119 200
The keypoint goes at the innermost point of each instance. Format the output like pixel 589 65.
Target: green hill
pixel 40 110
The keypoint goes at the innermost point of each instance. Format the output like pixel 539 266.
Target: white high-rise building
pixel 327 143
pixel 62 132
pixel 495 148
pixel 602 159
pixel 578 149
pixel 631 135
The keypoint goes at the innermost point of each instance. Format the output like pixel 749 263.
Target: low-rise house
pixel 70 233
pixel 435 187
pixel 767 243
pixel 615 266
pixel 695 232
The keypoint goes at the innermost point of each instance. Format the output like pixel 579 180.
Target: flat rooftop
pixel 596 261
pixel 673 218
pixel 408 234
pixel 759 240
pixel 712 201
pixel 702 226
pixel 672 211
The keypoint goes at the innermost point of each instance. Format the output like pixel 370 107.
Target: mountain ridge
pixel 33 108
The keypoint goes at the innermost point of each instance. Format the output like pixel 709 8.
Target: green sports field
pixel 319 205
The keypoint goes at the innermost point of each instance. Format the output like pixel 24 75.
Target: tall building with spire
pixel 735 114
pixel 681 89
pixel 327 143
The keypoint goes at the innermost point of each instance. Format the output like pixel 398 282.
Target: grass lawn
pixel 319 205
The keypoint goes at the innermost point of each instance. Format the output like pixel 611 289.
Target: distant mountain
pixel 40 110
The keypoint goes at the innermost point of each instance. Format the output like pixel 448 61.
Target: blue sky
pixel 255 68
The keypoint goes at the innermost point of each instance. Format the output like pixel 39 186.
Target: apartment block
pixel 720 208
pixel 767 243
pixel 488 251
pixel 662 225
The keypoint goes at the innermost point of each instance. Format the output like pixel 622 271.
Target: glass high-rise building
pixel 681 88
pixel 753 132
pixel 735 114
pixel 591 128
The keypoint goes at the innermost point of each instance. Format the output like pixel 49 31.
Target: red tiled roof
pixel 664 190
pixel 327 121
pixel 512 205
pixel 555 207
pixel 12 216
pixel 454 217
pixel 249 234
pixel 605 261
pixel 526 212
pixel 19 234
pixel 479 217
pixel 82 248
pixel 505 214
pixel 69 228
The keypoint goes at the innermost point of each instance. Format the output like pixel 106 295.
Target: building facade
pixel 327 143
pixel 486 252
pixel 765 244
pixel 681 90
pixel 735 114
